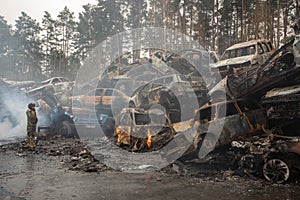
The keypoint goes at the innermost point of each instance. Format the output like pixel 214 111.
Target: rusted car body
pixel 273 156
pixel 134 127
pixel 235 117
pixel 241 56
pixel 91 98
pixel 149 94
pixel 276 153
pixel 101 98
pixel 193 64
pixel 58 89
pixel 172 92
pixel 283 110
pixel 280 71
pixel 283 103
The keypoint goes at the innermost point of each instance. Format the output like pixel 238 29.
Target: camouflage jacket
pixel 31 118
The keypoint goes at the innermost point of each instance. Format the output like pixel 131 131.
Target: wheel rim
pixel 277 171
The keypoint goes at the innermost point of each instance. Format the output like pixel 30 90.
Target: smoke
pixel 13 120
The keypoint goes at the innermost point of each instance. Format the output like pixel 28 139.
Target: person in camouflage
pixel 31 124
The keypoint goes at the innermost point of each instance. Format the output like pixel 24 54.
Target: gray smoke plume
pixel 13 105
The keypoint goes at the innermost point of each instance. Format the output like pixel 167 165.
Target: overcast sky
pixel 11 9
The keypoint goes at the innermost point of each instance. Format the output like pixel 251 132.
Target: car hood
pixel 233 61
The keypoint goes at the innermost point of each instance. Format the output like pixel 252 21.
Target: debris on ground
pixel 75 155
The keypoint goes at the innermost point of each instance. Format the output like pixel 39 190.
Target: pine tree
pixel 65 28
pixel 49 45
pixel 28 50
pixel 5 45
pixel 86 33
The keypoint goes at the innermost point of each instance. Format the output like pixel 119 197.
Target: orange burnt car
pixel 101 98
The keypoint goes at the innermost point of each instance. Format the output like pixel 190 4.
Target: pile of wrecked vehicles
pixel 256 104
pixel 259 109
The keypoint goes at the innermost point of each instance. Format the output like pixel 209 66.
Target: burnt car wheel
pixel 276 171
pixel 67 129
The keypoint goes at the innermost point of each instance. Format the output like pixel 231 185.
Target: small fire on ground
pixel 149 141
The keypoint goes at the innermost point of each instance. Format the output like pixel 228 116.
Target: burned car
pixel 102 98
pixel 142 130
pixel 56 120
pixel 90 99
pixel 236 117
pixel 149 94
pixel 165 91
pixel 283 109
pixel 57 89
pixel 279 71
pixel 241 56
pixel 272 156
pixel 276 154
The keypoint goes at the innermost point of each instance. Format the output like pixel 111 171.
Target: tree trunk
pixel 285 21
pixel 278 23
pixel 243 21
pixel 217 26
pixel 237 22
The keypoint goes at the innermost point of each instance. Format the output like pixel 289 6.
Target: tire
pixel 276 171
pixel 67 129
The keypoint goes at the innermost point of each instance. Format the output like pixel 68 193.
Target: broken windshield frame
pixel 239 52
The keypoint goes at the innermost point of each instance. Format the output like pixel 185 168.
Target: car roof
pixel 245 44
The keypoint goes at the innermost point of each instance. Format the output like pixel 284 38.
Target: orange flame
pixel 149 141
pixel 118 131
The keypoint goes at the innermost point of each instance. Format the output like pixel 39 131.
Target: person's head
pixel 31 106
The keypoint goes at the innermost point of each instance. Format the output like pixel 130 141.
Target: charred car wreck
pixel 243 56
pixel 237 117
pixel 134 129
pixel 56 120
pixel 278 71
pixel 274 157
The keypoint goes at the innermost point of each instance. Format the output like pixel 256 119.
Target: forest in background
pixel 30 50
